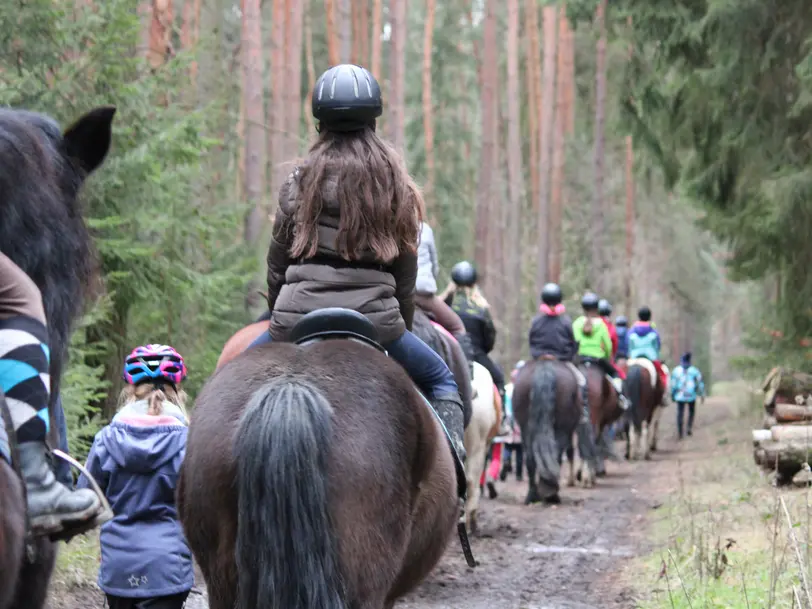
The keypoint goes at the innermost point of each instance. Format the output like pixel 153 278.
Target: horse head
pixel 43 232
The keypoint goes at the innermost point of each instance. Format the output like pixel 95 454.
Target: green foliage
pixel 168 235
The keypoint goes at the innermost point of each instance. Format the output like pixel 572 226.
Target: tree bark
pixel 160 33
pixel 397 75
pixel 549 18
pixel 251 48
pixel 533 74
pixel 515 180
pixel 628 283
pixel 277 136
pixel 428 114
pixel 363 32
pixel 333 47
pixel 311 73
pixel 559 143
pixel 598 212
pixel 293 80
pixel 377 29
pixel 484 219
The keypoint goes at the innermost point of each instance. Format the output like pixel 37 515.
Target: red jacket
pixel 612 335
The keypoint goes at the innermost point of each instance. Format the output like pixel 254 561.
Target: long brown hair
pixel 381 206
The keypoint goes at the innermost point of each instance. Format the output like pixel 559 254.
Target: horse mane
pixel 42 229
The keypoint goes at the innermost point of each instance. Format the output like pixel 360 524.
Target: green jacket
pixel 597 344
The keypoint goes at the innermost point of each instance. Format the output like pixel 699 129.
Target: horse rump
pixel 284 532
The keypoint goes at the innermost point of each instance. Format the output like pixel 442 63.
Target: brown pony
pixel 644 412
pixel 604 407
pixel 42 231
pixel 315 476
pixel 548 408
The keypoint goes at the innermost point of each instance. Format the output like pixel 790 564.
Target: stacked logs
pixel 785 442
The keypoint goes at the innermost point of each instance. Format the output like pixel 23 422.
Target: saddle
pixel 648 365
pixel 336 323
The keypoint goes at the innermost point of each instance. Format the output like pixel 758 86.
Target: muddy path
pixel 571 556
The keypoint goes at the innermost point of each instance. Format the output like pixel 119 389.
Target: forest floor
pixel 609 547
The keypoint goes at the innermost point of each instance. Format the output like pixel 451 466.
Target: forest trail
pixel 571 556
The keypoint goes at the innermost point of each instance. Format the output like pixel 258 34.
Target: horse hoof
pixel 532 497
pixel 492 494
pixel 553 500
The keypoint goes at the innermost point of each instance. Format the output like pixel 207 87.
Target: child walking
pixel 146 562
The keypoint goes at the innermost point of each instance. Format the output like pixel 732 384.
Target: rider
pixel 551 334
pixel 605 311
pixel 594 343
pixel 346 235
pixel 622 327
pixel 644 341
pixel 470 304
pixel 426 291
pixel 136 460
pixel 53 509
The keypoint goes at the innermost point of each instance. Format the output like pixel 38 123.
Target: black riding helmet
pixel 589 302
pixel 551 294
pixel 464 274
pixel 604 307
pixel 621 321
pixel 644 314
pixel 346 98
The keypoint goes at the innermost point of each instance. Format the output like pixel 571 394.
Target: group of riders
pixel 349 232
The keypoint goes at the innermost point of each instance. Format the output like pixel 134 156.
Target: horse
pixel 604 407
pixel 548 408
pixel 42 230
pixel 483 411
pixel 645 391
pixel 315 474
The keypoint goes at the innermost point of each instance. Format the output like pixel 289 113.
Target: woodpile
pixel 784 445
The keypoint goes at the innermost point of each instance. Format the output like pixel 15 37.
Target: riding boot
pixel 623 401
pixel 449 409
pixel 51 506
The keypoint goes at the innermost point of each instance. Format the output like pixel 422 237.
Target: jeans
pixel 175 601
pixel 681 413
pixel 427 369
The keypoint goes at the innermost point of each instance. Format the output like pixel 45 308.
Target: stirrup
pixel 74 528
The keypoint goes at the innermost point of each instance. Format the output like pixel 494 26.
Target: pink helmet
pixel 154 362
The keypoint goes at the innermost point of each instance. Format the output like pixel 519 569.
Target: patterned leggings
pixel 24 354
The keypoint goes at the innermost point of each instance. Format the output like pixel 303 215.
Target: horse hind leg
pixel 645 441
pixel 32 586
pixel 571 462
pixel 633 443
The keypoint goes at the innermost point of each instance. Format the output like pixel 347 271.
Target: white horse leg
pixel 634 443
pixel 476 447
pixel 645 441
pixel 655 427
pixel 571 477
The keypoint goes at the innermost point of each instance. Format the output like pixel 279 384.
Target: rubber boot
pixel 51 506
pixel 449 409
pixel 623 401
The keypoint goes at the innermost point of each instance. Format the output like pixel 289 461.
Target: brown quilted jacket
pixel 384 293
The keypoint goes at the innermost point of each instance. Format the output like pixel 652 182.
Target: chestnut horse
pixel 548 408
pixel 42 231
pixel 604 407
pixel 315 474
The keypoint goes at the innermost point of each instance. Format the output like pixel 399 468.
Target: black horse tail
pixel 286 549
pixel 634 382
pixel 543 444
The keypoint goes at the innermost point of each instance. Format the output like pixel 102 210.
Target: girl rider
pixel 474 310
pixel 346 235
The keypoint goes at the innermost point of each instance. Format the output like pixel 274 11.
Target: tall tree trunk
pixel 333 47
pixel 311 73
pixel 293 80
pixel 251 48
pixel 533 73
pixel 377 30
pixel 487 167
pixel 195 40
pixel 345 30
pixel 550 22
pixel 160 33
pixel 428 114
pixel 627 291
pixel 277 136
pixel 515 180
pixel 397 75
pixel 145 19
pixel 559 142
pixel 598 220
pixel 363 32
pixel 569 63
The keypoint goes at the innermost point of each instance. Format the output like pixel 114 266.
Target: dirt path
pixel 570 556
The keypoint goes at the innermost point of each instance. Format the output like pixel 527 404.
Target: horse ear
pixel 87 141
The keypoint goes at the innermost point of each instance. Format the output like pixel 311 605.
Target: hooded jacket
pixel 427 265
pixel 382 292
pixel 551 334
pixel 644 341
pixel 136 461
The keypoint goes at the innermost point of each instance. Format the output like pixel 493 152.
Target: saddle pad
pixel 648 365
pixel 443 330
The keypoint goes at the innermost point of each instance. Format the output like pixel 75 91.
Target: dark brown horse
pixel 644 413
pixel 42 231
pixel 604 407
pixel 548 408
pixel 315 476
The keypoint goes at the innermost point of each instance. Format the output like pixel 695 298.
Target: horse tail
pixel 286 550
pixel 634 384
pixel 543 444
